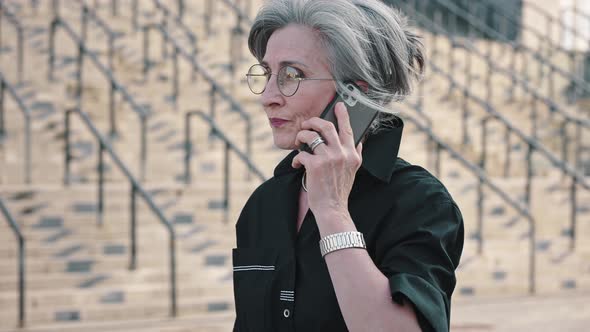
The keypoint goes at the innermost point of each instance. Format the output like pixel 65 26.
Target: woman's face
pixel 299 47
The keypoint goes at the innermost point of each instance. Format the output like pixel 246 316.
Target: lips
pixel 277 122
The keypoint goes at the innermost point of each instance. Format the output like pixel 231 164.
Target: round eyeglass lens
pixel 257 79
pixel 289 79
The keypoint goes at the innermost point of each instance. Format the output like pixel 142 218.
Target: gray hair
pixel 366 40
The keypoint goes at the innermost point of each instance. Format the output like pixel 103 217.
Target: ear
pixel 363 85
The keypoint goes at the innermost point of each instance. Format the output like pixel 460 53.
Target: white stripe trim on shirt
pixel 254 268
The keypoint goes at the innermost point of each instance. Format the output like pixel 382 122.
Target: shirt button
pixel 286 313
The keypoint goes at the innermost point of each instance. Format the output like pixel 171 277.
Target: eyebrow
pixel 286 63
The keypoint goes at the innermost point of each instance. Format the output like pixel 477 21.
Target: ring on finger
pixel 314 144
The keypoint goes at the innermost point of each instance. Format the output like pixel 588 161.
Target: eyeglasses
pixel 288 79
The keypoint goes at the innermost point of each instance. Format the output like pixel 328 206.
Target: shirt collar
pixel 379 154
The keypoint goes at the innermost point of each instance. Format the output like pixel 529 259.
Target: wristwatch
pixel 342 240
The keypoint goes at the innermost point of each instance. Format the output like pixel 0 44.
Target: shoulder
pixel 257 197
pixel 416 188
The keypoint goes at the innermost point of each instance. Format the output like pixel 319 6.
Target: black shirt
pixel 412 227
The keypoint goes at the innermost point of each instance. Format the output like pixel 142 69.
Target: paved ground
pixel 564 312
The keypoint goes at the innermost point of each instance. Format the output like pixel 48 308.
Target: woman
pixel 346 237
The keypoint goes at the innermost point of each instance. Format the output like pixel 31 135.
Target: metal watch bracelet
pixel 344 240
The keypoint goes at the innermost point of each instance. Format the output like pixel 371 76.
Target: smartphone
pixel 361 116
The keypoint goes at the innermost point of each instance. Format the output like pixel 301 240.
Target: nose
pixel 272 97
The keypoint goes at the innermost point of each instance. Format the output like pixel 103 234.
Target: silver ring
pixel 314 144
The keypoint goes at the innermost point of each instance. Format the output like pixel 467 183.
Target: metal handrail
pixel 562 165
pixel 136 188
pixel 548 16
pixel 216 88
pixel 470 46
pixel 229 145
pixel 533 145
pixel 240 15
pixel 531 142
pixel 493 68
pixel 5 85
pixel 83 51
pixel 12 19
pixel 101 23
pixel 551 19
pixel 580 84
pixel 178 19
pixel 577 11
pixel 541 38
pixel 21 262
pixel 86 13
pixel 479 172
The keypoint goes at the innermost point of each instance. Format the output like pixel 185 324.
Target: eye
pixel 292 74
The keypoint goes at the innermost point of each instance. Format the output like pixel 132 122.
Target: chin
pixel 284 144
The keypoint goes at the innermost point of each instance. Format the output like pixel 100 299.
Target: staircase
pixel 78 271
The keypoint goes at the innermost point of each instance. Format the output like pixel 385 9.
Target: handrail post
pixel 146 48
pixel 79 87
pixel 84 23
pixel 164 25
pixel 524 70
pixel 465 117
pixel 114 7
pixel 212 110
pixel 532 256
pixel 28 152
pixel 133 230
pixel 20 41
pixel 101 168
pixel 194 56
pixel 564 145
pixel 180 6
pixel 55 7
pixel 113 125
pixel 21 282
pixel 143 152
pixel 67 148
pixel 2 124
pixel 437 160
pixel 188 147
pixel 508 152
pixel 574 85
pixel 226 183
pixel 574 212
pixel 578 144
pixel 529 175
pixel 20 262
pixel 207 17
pixel 452 29
pixel 533 117
pixel 173 306
pixel 175 76
pixel 482 164
pixel 1 17
pixel 51 57
pixel 512 88
pixel 134 10
pixel 111 51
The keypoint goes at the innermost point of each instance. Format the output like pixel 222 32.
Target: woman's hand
pixel 332 167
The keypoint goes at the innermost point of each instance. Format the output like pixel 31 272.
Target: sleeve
pixel 419 252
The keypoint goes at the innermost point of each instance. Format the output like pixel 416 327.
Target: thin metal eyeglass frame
pixel 299 80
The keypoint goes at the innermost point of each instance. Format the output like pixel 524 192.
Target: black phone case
pixel 361 116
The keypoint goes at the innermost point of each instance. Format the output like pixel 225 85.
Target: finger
pixel 307 137
pixel 359 149
pixel 301 159
pixel 344 128
pixel 325 128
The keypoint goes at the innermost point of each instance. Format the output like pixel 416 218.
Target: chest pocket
pixel 254 272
